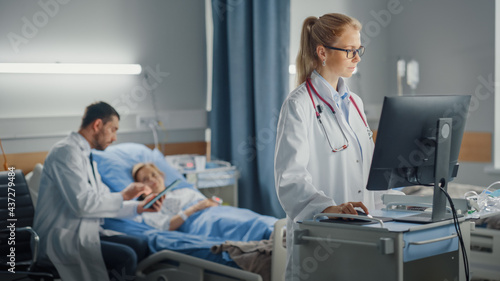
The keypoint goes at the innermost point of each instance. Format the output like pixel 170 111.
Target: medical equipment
pixel 319 110
pixel 485 202
pixel 412 76
pixel 219 178
pixel 484 255
pixel 485 242
pixel 395 251
pixel 217 200
pixel 401 69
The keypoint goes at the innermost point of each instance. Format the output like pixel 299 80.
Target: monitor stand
pixel 441 176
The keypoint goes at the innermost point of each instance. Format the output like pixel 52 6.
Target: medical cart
pixel 380 251
pixel 485 251
pixel 218 178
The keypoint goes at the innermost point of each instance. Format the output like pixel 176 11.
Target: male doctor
pixel 73 200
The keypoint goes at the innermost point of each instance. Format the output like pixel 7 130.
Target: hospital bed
pixel 164 265
pixel 115 165
pixel 170 265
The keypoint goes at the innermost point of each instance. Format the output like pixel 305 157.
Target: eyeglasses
pixel 349 53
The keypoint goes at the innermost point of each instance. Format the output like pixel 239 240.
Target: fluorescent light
pixel 70 68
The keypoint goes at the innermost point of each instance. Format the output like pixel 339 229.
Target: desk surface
pixel 483 215
pixel 391 226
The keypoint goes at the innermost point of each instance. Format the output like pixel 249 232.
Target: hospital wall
pixel 166 37
pixel 453 41
pixel 369 81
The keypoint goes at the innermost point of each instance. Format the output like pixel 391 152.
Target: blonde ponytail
pixel 324 30
pixel 306 61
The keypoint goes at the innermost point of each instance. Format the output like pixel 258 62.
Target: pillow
pixel 115 165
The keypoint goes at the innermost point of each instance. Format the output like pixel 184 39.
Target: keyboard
pixel 356 221
pixel 424 217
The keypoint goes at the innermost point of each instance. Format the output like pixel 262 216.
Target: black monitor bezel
pixel 408 125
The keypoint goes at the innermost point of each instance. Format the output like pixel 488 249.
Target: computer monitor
pixel 418 142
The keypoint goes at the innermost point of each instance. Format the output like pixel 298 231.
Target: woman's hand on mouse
pixel 346 208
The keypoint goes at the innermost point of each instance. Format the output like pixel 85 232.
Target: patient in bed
pixel 187 210
pixel 209 225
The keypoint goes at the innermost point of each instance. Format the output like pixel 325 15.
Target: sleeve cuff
pixel 183 215
pixel 129 209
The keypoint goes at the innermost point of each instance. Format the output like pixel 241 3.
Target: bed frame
pixel 170 265
pixel 176 266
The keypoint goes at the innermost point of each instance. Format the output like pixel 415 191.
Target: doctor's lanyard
pixel 318 110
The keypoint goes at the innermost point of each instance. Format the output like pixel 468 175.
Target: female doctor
pixel 324 145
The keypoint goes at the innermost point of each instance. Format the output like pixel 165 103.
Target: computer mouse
pixel 360 213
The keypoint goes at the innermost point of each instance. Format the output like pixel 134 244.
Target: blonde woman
pixel 187 210
pixel 324 145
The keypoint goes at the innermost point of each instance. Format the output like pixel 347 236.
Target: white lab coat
pixel 70 206
pixel 308 176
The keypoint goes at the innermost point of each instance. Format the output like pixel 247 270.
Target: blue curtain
pixel 250 82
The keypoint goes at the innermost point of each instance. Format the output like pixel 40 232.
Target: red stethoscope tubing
pixel 310 85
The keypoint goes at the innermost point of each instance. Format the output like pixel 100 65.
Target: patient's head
pixel 150 175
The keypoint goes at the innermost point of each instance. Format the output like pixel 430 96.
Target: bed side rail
pixel 189 268
pixel 279 252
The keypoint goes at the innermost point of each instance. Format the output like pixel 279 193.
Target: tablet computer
pixel 169 187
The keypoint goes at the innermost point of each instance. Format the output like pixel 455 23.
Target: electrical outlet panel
pixel 144 121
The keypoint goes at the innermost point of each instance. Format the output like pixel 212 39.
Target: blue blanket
pixel 229 223
pixel 202 230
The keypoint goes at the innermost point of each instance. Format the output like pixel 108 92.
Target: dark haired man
pixel 73 200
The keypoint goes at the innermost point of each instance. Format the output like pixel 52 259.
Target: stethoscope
pixel 319 110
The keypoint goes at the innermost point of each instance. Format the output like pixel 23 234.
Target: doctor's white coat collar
pixel 82 142
pixel 324 87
